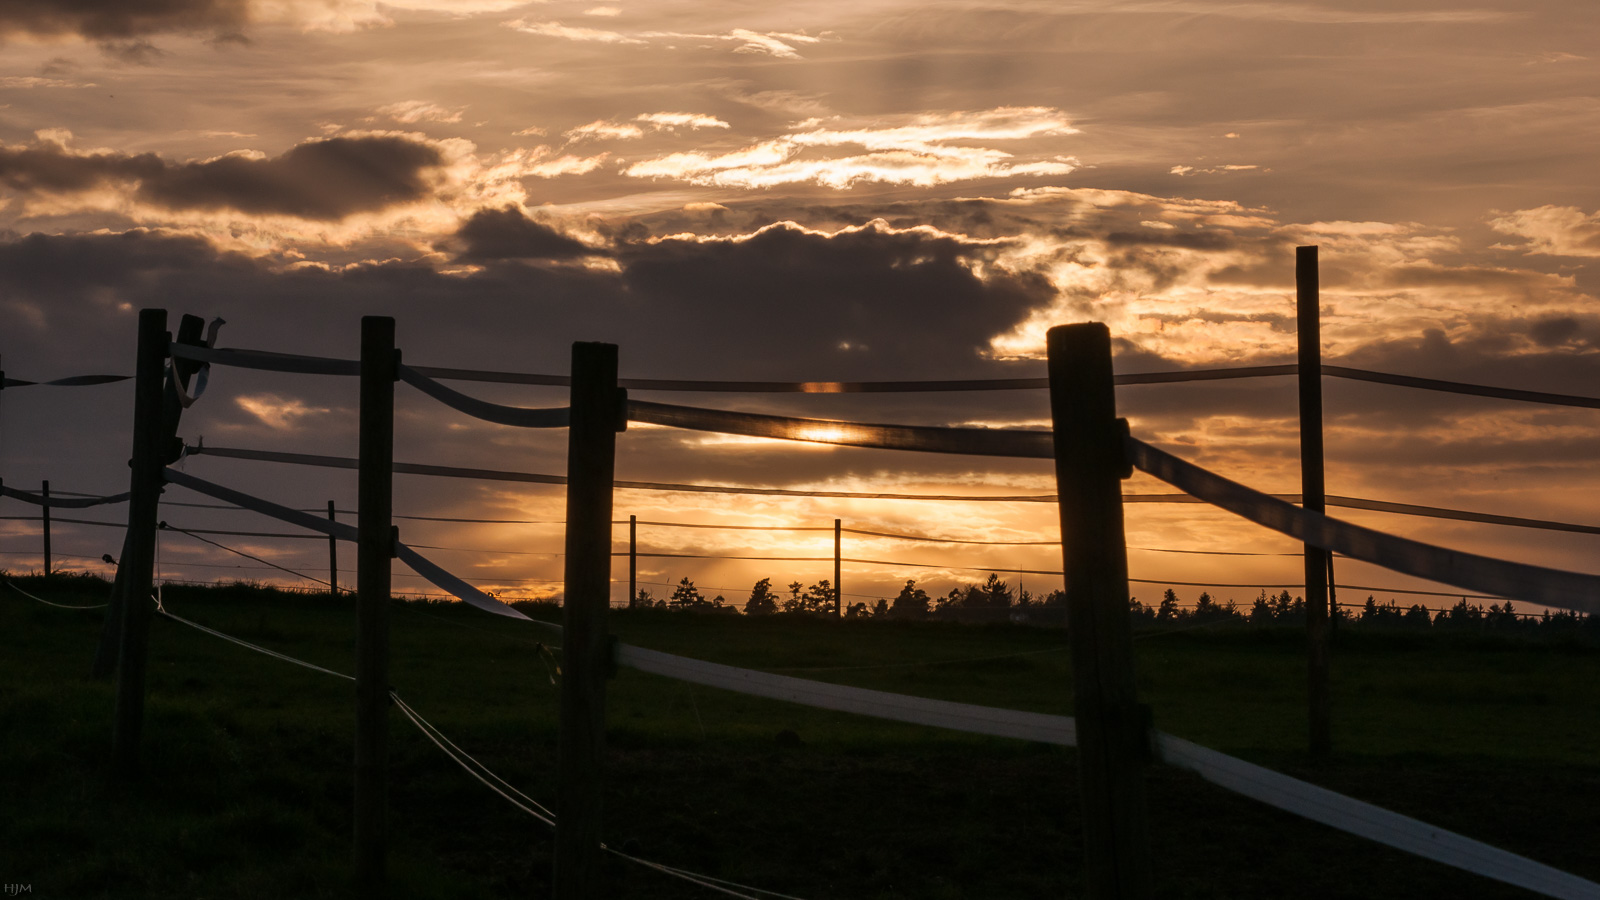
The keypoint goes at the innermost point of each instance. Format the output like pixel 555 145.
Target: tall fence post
pixel 633 561
pixel 44 518
pixel 598 413
pixel 190 331
pixel 375 540
pixel 838 573
pixel 333 554
pixel 1114 737
pixel 1308 319
pixel 138 550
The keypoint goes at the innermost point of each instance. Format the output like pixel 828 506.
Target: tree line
pixel 995 599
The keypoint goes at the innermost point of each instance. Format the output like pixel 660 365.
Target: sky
pixel 811 191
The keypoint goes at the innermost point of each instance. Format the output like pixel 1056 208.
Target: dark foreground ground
pixel 246 783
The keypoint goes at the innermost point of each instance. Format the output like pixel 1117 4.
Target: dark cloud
pixel 508 233
pixel 872 298
pixel 134 52
pixel 119 20
pixel 1554 331
pixel 50 168
pixel 324 179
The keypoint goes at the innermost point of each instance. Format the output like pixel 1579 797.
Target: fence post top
pixel 1059 332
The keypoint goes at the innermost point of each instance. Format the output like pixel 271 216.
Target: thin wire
pixel 686 876
pixel 462 757
pixel 249 646
pixel 445 745
pixel 673 870
pixel 24 593
pixel 494 782
pixel 166 527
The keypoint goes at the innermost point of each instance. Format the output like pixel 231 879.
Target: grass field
pixel 246 786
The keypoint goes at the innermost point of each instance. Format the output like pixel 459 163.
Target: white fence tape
pixel 1010 723
pixel 1535 584
pixel 923 438
pixel 266 507
pixel 500 414
pixel 1263 785
pixel 62 502
pixel 1372 822
pixel 458 588
pixel 419 563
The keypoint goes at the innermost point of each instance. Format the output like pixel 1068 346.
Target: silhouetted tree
pixel 995 594
pixel 793 603
pixel 1417 617
pixel 1503 617
pixel 1139 613
pixel 762 602
pixel 1261 610
pixel 688 597
pixel 1462 615
pixel 880 610
pixel 910 603
pixel 1168 611
pixel 815 600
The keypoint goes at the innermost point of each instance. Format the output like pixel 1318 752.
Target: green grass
pixel 246 778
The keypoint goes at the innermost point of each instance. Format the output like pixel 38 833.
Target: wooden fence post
pixel 633 561
pixel 375 540
pixel 138 550
pixel 333 554
pixel 1312 490
pixel 838 573
pixel 598 413
pixel 44 517
pixel 190 330
pixel 1113 730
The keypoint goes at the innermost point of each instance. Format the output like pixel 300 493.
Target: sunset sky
pixel 811 191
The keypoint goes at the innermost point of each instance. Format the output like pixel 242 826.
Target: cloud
pixel 540 162
pixel 672 120
pixel 603 130
pixel 325 180
pixel 780 44
pixel 28 82
pixel 924 151
pixel 1182 171
pixel 571 33
pixel 776 43
pixel 507 233
pixel 49 167
pixel 1553 230
pixel 277 412
pixel 118 20
pixel 413 111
